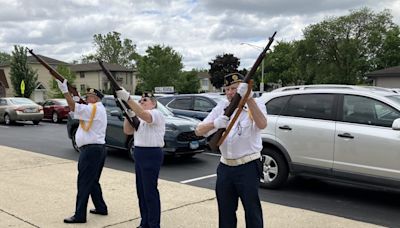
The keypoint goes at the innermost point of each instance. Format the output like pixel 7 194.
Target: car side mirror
pixel 396 124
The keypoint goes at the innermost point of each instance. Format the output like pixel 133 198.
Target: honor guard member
pixel 239 170
pixel 148 154
pixel 90 138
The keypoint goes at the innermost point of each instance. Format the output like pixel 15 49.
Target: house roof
pixel 3 79
pixel 96 67
pixel 391 72
pixel 203 75
pixel 48 60
pixel 31 59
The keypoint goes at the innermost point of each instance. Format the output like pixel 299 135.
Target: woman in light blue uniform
pixel 148 154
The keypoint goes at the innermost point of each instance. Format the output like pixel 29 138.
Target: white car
pixel 340 133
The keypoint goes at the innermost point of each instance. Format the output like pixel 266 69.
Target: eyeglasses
pixel 143 100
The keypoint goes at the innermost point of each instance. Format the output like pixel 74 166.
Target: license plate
pixel 30 110
pixel 194 145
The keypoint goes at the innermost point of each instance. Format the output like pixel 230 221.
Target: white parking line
pixel 213 154
pixel 4 126
pixel 198 178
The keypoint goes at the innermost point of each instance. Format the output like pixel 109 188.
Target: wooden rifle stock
pixel 57 76
pixel 215 141
pixel 134 122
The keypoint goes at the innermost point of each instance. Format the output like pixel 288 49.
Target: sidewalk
pixel 39 191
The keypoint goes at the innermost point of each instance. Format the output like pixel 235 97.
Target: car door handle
pixel 285 127
pixel 346 135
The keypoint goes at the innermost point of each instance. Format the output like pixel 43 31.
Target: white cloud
pixel 198 30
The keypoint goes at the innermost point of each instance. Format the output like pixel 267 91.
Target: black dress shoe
pixel 94 211
pixel 74 220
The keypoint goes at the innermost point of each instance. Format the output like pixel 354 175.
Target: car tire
pixel 35 122
pixel 74 140
pixel 55 118
pixel 7 120
pixel 275 170
pixel 131 149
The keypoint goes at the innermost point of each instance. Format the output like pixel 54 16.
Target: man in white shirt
pixel 239 170
pixel 90 138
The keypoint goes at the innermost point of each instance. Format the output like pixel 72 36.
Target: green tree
pixel 161 66
pixel 111 49
pixel 19 70
pixel 389 54
pixel 221 66
pixel 342 49
pixel 66 72
pixel 188 82
pixel 4 57
pixel 281 66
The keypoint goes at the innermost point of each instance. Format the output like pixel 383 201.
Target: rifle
pixel 57 76
pixel 217 138
pixel 134 121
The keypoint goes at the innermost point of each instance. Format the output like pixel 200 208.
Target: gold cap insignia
pixel 235 77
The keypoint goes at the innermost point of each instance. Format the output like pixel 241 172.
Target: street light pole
pixel 262 65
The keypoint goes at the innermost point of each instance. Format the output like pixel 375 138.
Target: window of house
pixel 83 88
pixel 204 83
pixel 82 74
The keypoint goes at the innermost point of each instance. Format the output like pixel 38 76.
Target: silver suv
pixel 340 133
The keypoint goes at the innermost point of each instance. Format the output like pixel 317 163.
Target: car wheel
pixel 36 122
pixel 7 120
pixel 274 169
pixel 74 140
pixel 131 149
pixel 55 117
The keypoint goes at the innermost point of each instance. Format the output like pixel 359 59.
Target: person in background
pixel 148 154
pixel 240 167
pixel 90 138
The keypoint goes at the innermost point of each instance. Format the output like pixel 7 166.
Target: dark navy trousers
pixel 234 182
pixel 148 162
pixel 90 166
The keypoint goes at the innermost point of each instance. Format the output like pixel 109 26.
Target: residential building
pixel 87 75
pixel 388 77
pixel 205 83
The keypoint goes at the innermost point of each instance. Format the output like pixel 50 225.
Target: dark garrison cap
pixel 233 78
pixel 95 92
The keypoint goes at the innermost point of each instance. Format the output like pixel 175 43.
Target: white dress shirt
pixel 151 134
pixel 97 132
pixel 244 137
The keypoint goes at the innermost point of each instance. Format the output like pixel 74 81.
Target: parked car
pixel 55 109
pixel 193 105
pixel 179 138
pixel 19 109
pixel 343 134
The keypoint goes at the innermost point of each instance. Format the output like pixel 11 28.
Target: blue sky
pixel 198 30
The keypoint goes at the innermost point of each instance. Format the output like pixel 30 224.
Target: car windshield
pixel 395 98
pixel 21 100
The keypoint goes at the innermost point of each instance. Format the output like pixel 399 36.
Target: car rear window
pixel 20 101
